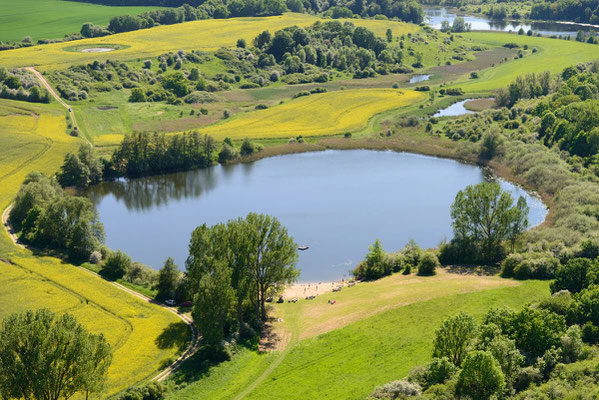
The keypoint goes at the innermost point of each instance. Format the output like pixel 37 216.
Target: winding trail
pixel 194 344
pixel 57 97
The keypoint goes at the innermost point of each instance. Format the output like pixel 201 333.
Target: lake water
pixel 335 202
pixel 435 16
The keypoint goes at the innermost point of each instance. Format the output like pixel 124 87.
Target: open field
pixel 315 115
pixel 206 35
pixel 552 55
pixel 52 19
pixel 349 361
pixel 145 337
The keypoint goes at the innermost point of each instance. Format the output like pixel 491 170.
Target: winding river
pixel 336 202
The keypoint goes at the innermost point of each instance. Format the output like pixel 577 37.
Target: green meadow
pixel 52 19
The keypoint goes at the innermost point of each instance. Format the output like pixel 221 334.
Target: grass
pixel 553 55
pixel 316 115
pixel 144 337
pixel 53 19
pixel 375 333
pixel 206 35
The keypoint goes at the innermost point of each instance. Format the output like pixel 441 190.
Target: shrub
pixel 200 97
pixel 481 376
pixel 440 370
pixel 530 265
pixel 137 96
pixel 116 265
pixel 396 389
pixel 95 257
pixel 226 154
pixel 247 148
pixel 241 43
pixel 428 264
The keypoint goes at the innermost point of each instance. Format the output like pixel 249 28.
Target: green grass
pixel 348 363
pixel 52 19
pixel 553 55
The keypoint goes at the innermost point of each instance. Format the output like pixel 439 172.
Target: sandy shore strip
pixel 303 290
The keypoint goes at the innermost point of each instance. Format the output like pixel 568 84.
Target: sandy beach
pixel 302 290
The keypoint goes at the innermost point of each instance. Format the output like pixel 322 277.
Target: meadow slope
pixel 375 344
pixel 52 19
pixel 553 55
pixel 206 35
pixel 144 336
pixel 316 115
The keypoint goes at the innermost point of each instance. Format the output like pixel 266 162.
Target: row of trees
pixel 232 268
pixel 585 11
pixel 47 217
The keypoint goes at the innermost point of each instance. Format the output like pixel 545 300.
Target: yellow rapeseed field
pixel 316 115
pixel 144 336
pixel 207 35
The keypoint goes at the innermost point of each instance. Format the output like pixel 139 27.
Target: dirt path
pixel 195 337
pixel 58 99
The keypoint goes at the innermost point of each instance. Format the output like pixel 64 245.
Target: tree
pixel 168 278
pixel 576 275
pixel 428 264
pixel 247 148
pixel 481 376
pixel 194 75
pixel 241 43
pixel 73 172
pixel 213 303
pixel 484 214
pixel 116 265
pixel 49 357
pixel 176 83
pixel 389 35
pixel 137 96
pixel 490 145
pixel 536 330
pixel 453 338
pixel 273 260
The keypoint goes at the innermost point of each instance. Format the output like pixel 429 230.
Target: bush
pixel 95 257
pixel 116 265
pixel 247 148
pixel 428 264
pixel 200 97
pixel 481 376
pixel 395 390
pixel 440 370
pixel 530 266
pixel 226 154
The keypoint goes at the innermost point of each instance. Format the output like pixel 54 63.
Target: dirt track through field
pixel 195 337
pixel 59 100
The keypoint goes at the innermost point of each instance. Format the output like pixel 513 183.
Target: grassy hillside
pixel 347 363
pixel 144 336
pixel 52 19
pixel 207 35
pixel 552 55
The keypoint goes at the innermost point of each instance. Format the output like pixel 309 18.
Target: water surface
pixel 335 202
pixel 419 78
pixel 434 16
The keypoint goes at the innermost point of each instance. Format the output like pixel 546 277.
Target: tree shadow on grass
pixel 176 334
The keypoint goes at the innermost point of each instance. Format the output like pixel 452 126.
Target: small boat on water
pixel 302 248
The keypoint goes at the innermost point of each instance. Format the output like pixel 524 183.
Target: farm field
pixel 352 355
pixel 145 337
pixel 315 115
pixel 52 19
pixel 206 35
pixel 552 55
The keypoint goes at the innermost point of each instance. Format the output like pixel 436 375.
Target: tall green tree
pixel 485 215
pixel 454 337
pixel 481 377
pixel 48 357
pixel 213 303
pixel 273 260
pixel 168 278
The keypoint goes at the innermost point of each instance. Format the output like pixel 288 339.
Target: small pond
pixel 454 110
pixel 434 16
pixel 419 78
pixel 335 202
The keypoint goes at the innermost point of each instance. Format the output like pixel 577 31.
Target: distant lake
pixel 337 202
pixel 434 16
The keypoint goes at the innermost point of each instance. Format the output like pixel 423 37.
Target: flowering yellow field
pixel 207 35
pixel 316 115
pixel 32 137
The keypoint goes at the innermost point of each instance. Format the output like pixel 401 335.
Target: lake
pixel 337 202
pixel 454 109
pixel 434 16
